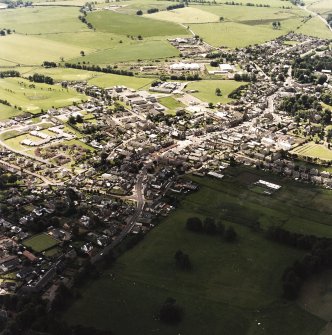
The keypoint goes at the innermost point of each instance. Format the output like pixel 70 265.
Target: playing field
pixel 234 287
pixel 314 150
pixel 40 242
pixel 207 90
pixel 171 103
pixel 109 80
pixel 33 97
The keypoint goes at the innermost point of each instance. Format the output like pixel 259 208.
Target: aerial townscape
pixel 165 167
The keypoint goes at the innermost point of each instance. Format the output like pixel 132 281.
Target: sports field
pixel 314 150
pixel 40 242
pixel 207 90
pixel 33 97
pixel 171 103
pixel 233 287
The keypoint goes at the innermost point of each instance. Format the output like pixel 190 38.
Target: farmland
pixel 207 88
pixel 231 286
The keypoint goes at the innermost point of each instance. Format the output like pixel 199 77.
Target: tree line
pixel 40 78
pixel 318 258
pixel 9 73
pixel 97 68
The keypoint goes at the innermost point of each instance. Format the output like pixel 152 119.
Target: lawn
pixel 122 24
pixel 314 150
pixel 231 289
pixel 109 80
pixel 207 88
pixel 33 97
pixel 40 242
pixel 171 103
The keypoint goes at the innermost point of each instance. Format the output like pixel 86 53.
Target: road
pixel 316 14
pixel 139 198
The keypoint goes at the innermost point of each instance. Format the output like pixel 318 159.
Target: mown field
pixel 207 90
pixel 33 97
pixel 40 242
pixel 314 150
pixel 232 288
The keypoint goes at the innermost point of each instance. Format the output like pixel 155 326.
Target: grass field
pixel 207 88
pixel 185 15
pixel 40 242
pixel 314 150
pixel 122 24
pixel 171 103
pixel 232 288
pixel 33 97
pixel 147 49
pixel 109 80
pixel 33 50
pixel 7 112
pixel 315 27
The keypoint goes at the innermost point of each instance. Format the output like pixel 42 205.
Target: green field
pixel 7 112
pixel 33 97
pixel 147 49
pixel 232 288
pixel 109 80
pixel 185 15
pixel 40 242
pixel 171 103
pixel 122 24
pixel 314 150
pixel 207 88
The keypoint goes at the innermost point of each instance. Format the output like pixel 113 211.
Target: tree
pixel 82 53
pixel 182 260
pixel 194 224
pixel 139 12
pixel 230 234
pixel 211 105
pixel 209 226
pixel 218 92
pixel 170 312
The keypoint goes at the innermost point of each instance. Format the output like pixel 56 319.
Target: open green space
pixel 314 150
pixel 185 15
pixel 33 97
pixel 122 24
pixel 42 20
pixel 146 49
pixel 40 242
pixel 171 103
pixel 207 89
pixel 7 112
pixel 34 50
pixel 109 80
pixel 233 288
pixel 315 27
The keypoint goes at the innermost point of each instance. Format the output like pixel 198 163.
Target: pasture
pixel 313 150
pixel 146 49
pixel 7 112
pixel 34 97
pixel 40 242
pixel 123 24
pixel 207 89
pixel 236 287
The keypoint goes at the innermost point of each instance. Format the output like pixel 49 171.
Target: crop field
pixel 207 89
pixel 147 49
pixel 33 50
pixel 185 15
pixel 42 20
pixel 122 24
pixel 40 242
pixel 231 286
pixel 314 150
pixel 109 80
pixel 33 97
